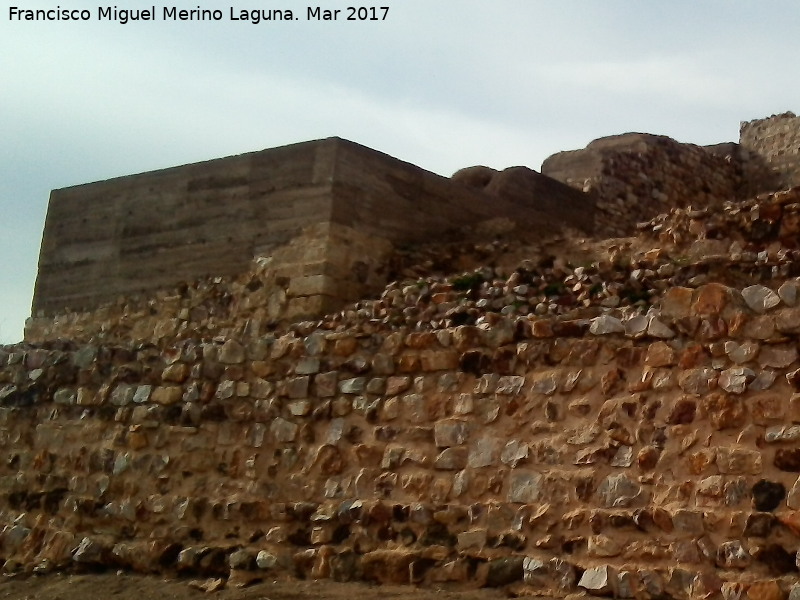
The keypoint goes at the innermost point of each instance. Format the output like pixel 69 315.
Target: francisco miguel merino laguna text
pixel 173 13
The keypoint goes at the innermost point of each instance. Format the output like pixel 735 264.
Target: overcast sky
pixel 440 83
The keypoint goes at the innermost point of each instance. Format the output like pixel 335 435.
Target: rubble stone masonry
pixel 773 151
pixel 635 434
pixel 635 176
pixel 623 424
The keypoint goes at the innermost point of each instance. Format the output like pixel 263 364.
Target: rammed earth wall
pixel 320 219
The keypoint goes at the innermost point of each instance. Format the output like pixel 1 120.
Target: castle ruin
pixel 625 424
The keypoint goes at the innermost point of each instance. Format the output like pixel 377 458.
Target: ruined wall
pixel 772 146
pixel 634 434
pixel 636 176
pixel 152 232
pixel 319 218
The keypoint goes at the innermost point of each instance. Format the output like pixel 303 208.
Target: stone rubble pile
pixel 768 221
pixel 743 244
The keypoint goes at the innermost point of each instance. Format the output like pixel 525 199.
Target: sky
pixel 443 84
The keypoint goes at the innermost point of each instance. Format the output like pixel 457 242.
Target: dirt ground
pixel 136 587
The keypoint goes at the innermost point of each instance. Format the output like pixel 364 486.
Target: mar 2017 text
pixel 124 16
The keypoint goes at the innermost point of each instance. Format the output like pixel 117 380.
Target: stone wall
pixel 589 459
pixel 632 432
pixel 636 176
pixel 772 146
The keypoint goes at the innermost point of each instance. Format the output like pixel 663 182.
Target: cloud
pixel 677 78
